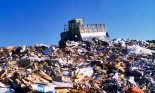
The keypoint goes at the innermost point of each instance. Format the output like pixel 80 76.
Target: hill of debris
pixel 79 67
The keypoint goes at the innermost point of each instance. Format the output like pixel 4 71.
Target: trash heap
pixel 96 66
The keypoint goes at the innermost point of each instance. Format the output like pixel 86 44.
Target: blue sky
pixel 26 22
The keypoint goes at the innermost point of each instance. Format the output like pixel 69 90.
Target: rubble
pixel 117 66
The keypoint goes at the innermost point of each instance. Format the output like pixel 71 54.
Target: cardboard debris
pixel 44 75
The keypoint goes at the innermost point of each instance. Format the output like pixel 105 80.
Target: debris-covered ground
pixel 117 66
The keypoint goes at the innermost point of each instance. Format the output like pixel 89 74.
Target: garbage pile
pixel 96 66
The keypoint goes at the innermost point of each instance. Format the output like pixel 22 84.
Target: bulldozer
pixel 76 30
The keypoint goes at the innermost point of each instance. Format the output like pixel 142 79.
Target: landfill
pixel 116 66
